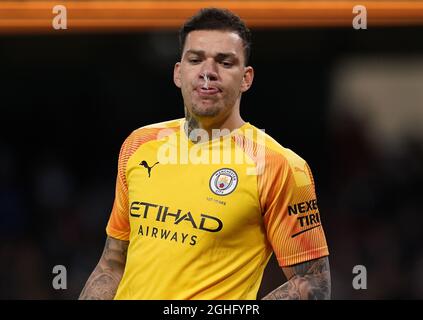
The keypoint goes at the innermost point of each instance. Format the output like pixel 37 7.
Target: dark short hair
pixel 217 19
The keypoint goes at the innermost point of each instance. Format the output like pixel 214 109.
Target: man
pixel 202 202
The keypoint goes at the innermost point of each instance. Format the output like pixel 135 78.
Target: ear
pixel 177 74
pixel 247 80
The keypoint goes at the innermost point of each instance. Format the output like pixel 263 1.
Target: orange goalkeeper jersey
pixel 203 219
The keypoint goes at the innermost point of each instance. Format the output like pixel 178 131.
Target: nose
pixel 209 69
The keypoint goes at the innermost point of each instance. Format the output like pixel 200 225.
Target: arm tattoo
pixel 104 281
pixel 309 280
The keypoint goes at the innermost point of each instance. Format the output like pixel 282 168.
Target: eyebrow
pixel 219 55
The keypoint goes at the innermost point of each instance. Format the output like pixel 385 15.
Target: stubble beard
pixel 201 111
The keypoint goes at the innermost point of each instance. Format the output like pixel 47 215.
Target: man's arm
pixel 309 280
pixel 104 280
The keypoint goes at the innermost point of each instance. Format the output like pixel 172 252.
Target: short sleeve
pixel 291 216
pixel 118 225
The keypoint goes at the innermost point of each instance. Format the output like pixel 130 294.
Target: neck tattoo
pixel 190 124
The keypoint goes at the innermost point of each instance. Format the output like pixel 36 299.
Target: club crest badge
pixel 223 181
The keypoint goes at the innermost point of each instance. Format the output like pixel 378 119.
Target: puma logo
pixel 145 165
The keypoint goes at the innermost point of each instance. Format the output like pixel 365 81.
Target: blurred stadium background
pixel 348 101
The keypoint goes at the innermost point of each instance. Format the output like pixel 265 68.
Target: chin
pixel 205 110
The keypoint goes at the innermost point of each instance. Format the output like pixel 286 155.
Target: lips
pixel 206 92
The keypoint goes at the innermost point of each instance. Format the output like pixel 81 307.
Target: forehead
pixel 213 41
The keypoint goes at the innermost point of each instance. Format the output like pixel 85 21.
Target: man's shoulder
pixel 150 133
pixel 274 149
pixel 155 128
pixel 175 123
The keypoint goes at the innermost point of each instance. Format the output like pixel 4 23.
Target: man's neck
pixel 210 125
